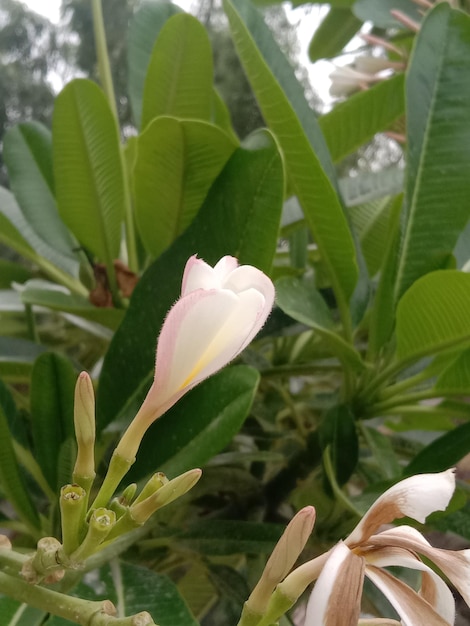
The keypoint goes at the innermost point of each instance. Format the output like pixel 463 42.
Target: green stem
pixel 104 65
pixel 408 399
pixel 118 468
pixel 31 322
pixel 339 493
pixel 132 258
pixel 301 369
pixel 407 383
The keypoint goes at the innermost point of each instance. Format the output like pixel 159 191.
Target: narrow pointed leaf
pixel 11 481
pixel 27 151
pixel 179 76
pixel 88 169
pixel 144 28
pixel 338 433
pixel 308 162
pixel 438 121
pixel 444 452
pixel 354 122
pixel 237 219
pixel 335 31
pixel 52 392
pixel 177 162
pixel 433 315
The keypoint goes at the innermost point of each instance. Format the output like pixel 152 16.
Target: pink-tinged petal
pixel 336 597
pixel 411 607
pixel 248 277
pixel 224 267
pixel 433 588
pixel 414 497
pixel 198 275
pixel 455 564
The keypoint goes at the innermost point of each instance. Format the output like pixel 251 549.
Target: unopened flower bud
pixel 84 420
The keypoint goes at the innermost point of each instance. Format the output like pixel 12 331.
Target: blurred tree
pixel 29 54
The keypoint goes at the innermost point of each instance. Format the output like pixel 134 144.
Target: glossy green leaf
pixel 335 31
pixel 177 162
pixel 12 272
pixel 185 438
pixel 237 219
pixel 52 392
pixel 456 376
pixel 12 484
pixel 16 232
pixel 378 11
pixel 352 123
pixel 433 315
pixel 88 169
pixel 180 74
pixel 27 150
pixel 144 28
pixel 41 293
pixel 303 302
pixel 444 452
pixel 438 122
pixel 308 162
pixel 338 433
pixel 134 589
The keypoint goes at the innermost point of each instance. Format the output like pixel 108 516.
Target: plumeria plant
pixel 339 303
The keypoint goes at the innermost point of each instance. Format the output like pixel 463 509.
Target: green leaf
pixel 338 432
pixel 11 481
pixel 352 123
pixel 177 162
pixel 88 168
pixel 438 122
pixel 378 12
pixel 13 613
pixel 144 28
pixel 27 150
pixel 44 294
pixel 185 438
pixel 16 232
pixel 442 453
pixel 180 73
pixel 240 216
pixel 224 537
pixel 433 315
pixel 12 272
pixel 52 392
pixel 456 376
pixel 308 162
pixel 303 302
pixel 335 31
pixel 134 589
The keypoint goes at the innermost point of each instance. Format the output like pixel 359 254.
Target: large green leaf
pixel 88 168
pixel 11 481
pixel 52 392
pixel 303 302
pixel 177 162
pixel 433 316
pixel 308 162
pixel 179 76
pixel 352 123
pixel 16 232
pixel 438 121
pixel 456 377
pixel 133 589
pixel 338 433
pixel 185 438
pixel 144 28
pixel 13 613
pixel 27 150
pixel 240 216
pixel 335 31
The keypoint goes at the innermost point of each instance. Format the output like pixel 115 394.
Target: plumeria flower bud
pixel 282 560
pixel 220 311
pixel 84 421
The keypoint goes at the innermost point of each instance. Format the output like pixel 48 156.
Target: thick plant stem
pixel 102 55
